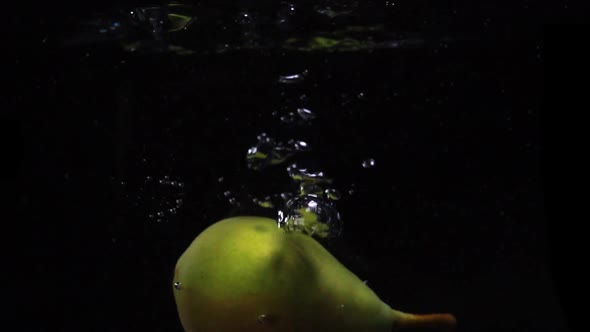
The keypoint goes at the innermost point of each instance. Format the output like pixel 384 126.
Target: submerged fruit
pixel 245 274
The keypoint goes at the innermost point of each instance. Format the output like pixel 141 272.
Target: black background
pixel 450 219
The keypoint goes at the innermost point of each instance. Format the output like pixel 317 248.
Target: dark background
pixel 450 219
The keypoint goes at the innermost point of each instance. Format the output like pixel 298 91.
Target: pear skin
pixel 244 274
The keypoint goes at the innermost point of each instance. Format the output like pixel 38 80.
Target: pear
pixel 244 274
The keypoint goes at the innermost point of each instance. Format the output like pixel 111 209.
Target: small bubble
pixel 261 319
pixel 286 11
pixel 233 201
pixel 305 114
pixel 310 188
pixel 220 179
pixel 291 79
pixel 334 9
pixel 361 95
pixel 285 119
pixel 160 214
pixel 265 203
pixel 332 194
pixel 303 175
pixel 301 146
pixel 286 196
pixel 244 18
pixel 369 163
pixel 227 193
pixel 177 285
pixel 148 178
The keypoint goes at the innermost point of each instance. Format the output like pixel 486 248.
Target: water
pixel 408 144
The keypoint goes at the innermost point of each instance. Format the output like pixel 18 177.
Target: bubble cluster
pixel 299 116
pixel 162 197
pixel 157 199
pixel 311 210
pixel 310 206
pixel 267 151
pixel 231 198
pixel 311 215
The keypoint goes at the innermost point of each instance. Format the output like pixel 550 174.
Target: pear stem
pixel 438 322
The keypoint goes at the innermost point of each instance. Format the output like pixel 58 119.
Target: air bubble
pixel 310 189
pixel 177 285
pixel 306 114
pixel 301 146
pixel 332 194
pixel 286 119
pixel 286 196
pixel 291 79
pixel 369 163
pixel 302 174
pixel 334 9
pixel 244 18
pixel 265 203
pixel 285 13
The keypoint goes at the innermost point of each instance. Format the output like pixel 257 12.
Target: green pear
pixel 244 274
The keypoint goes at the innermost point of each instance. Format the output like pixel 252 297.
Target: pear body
pixel 244 274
